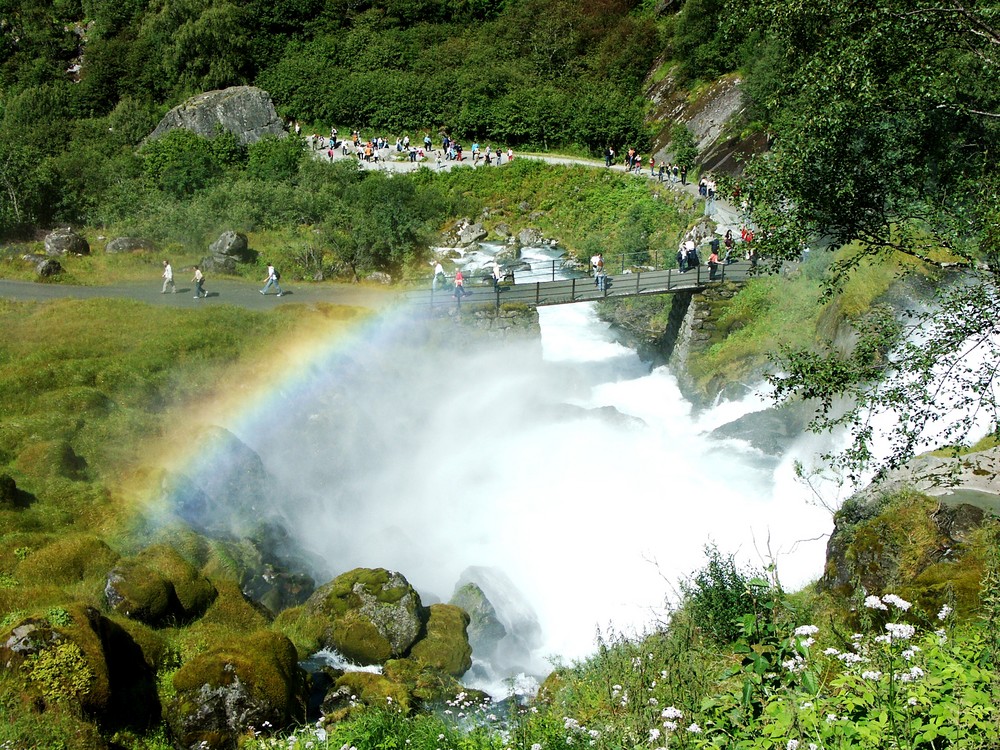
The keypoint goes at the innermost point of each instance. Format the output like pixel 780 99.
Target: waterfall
pixel 581 476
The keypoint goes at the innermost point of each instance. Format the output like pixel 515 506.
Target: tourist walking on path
pixel 496 274
pixel 199 281
pixel 168 278
pixel 271 280
pixel 713 263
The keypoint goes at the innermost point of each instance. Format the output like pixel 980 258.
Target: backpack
pixel 277 275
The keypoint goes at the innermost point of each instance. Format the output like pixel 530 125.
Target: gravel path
pixel 222 291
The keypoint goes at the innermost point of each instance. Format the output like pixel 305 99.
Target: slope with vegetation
pixel 883 121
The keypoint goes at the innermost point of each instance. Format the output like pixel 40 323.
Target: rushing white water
pixel 509 460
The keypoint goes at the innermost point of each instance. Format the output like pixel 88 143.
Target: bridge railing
pixel 584 288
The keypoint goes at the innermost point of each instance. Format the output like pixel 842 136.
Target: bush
pixel 720 595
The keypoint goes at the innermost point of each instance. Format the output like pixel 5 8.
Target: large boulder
pixel 129 245
pixel 228 250
pixel 157 587
pixel 445 645
pixel 251 682
pixel 485 631
pixel 230 244
pixel 244 111
pixel 369 615
pixel 65 242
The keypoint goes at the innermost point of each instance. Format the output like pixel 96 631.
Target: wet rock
pixel 530 237
pixel 502 229
pixel 369 615
pixel 129 245
pixel 485 631
pixel 244 111
pixel 65 242
pixel 253 681
pixel 772 431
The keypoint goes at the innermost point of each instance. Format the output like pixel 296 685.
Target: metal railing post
pixel 572 291
pixel 637 277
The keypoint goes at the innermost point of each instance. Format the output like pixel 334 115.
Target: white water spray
pixel 429 463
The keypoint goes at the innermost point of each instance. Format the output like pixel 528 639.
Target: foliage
pixel 60 673
pixel 884 124
pixel 720 597
pixel 683 146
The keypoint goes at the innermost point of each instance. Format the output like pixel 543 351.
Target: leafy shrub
pixel 720 596
pixel 61 673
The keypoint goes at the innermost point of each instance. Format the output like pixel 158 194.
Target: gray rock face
pixel 485 629
pixel 230 245
pixel 472 233
pixel 529 237
pixel 228 250
pixel 244 111
pixel 65 242
pixel 129 245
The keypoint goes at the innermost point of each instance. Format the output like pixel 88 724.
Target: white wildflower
pixel 945 611
pixel 694 729
pixel 851 658
pixel 671 713
pixel 807 704
pixel 830 718
pixel 900 631
pixel 792 745
pixel 873 602
pixel 653 701
pixel 896 602
pixel 536 746
pixel 654 735
pixel 871 674
pixel 806 630
pixel 912 702
pixel 670 726
pixel 831 651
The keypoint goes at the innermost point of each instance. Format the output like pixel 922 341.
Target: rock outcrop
pixel 245 111
pixel 65 242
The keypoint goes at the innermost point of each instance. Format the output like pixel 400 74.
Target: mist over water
pixel 507 457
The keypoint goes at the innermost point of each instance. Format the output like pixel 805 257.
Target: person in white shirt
pixel 168 278
pixel 271 280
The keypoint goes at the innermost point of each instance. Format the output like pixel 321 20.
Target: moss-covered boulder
pixel 158 586
pixel 254 681
pixel 67 560
pixel 485 630
pixel 911 544
pixel 445 645
pixel 75 656
pixel 428 685
pixel 369 615
pixel 356 689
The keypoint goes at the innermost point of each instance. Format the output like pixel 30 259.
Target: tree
pixel 885 133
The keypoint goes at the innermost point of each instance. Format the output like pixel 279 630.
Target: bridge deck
pixel 584 289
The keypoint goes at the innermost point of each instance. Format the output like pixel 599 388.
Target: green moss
pixel 51 458
pixel 232 610
pixel 445 645
pixel 265 662
pixel 375 690
pixel 194 591
pixel 303 627
pixel 425 684
pixel 68 560
pixel 340 595
pixel 357 638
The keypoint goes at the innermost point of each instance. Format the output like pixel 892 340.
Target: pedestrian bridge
pixel 584 289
